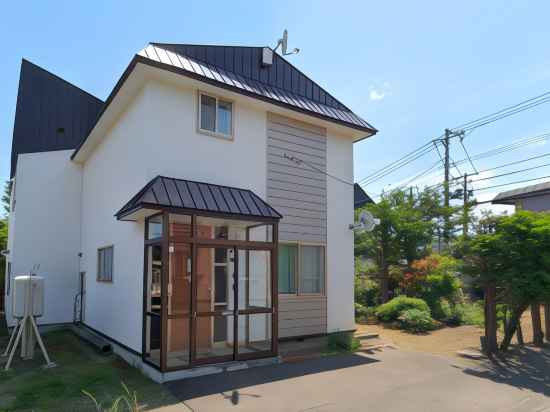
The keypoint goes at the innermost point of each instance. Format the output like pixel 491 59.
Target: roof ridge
pixel 248 77
pixel 23 60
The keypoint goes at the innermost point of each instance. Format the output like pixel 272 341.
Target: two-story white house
pixel 198 215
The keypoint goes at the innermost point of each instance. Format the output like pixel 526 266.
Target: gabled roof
pixel 168 192
pixel 240 69
pixel 509 197
pixel 360 197
pixel 51 113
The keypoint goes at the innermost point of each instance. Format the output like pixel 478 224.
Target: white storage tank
pixel 28 290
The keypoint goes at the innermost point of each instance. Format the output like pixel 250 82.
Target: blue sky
pixel 409 68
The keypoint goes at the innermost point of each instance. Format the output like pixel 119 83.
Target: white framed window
pixel 301 269
pixel 105 257
pixel 215 116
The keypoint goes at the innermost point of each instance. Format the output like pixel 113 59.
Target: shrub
pixel 391 310
pixel 416 321
pixel 360 311
pixel 367 291
pixel 343 341
pixel 441 309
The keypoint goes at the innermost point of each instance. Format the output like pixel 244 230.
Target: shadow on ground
pixel 523 368
pixel 230 384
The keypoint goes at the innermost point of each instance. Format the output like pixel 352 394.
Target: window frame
pixel 216 133
pixel 299 292
pixel 99 250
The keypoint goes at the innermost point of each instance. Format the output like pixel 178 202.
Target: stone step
pixel 365 335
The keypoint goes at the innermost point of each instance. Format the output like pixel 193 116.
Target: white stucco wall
pixel 47 232
pixel 340 261
pixel 155 136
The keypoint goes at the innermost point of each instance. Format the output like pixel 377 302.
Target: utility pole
pixel 466 206
pixel 446 224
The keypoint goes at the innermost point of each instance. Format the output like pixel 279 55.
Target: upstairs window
pixel 215 116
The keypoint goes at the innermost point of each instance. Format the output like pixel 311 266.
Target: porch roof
pixel 168 192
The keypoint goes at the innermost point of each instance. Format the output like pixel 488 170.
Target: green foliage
pixel 6 197
pixel 367 291
pixel 343 342
pixel 128 400
pixel 390 311
pixel 516 256
pixel 360 311
pixel 416 321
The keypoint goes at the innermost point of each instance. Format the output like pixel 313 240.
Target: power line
pixel 505 112
pixel 396 166
pixel 511 183
pixel 299 161
pixel 514 163
pixel 468 155
pixel 510 173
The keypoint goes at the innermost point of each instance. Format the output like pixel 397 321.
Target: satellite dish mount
pixel 283 43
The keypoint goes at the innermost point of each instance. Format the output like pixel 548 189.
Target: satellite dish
pixel 284 41
pixel 367 222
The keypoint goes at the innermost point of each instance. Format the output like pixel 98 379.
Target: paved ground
pixel 390 380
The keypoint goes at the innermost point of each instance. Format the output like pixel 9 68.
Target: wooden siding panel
pixel 302 315
pixel 299 193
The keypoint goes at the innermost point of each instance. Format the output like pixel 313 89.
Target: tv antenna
pixel 283 42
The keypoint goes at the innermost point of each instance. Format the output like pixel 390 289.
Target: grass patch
pixel 29 387
pixel 341 342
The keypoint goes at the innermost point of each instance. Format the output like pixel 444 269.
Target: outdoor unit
pixel 28 293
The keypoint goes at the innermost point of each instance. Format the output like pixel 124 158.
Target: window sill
pixel 226 137
pixel 291 296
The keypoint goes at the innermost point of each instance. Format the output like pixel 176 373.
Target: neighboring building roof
pixel 509 197
pixel 51 113
pixel 167 192
pixel 241 69
pixel 360 197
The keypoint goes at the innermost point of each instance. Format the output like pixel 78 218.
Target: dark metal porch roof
pixel 168 192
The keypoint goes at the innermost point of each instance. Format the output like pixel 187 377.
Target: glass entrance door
pixel 214 302
pixel 233 301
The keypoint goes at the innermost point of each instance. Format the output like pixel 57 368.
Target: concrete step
pixel 364 336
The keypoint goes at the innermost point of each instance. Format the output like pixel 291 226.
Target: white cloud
pixel 376 95
pixel 380 92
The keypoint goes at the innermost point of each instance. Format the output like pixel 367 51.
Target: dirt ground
pixel 446 341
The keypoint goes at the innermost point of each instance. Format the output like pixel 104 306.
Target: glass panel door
pixel 215 291
pixel 153 303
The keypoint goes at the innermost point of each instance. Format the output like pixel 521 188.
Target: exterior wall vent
pixel 267 57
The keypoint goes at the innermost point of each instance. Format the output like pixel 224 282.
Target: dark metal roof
pixel 51 113
pixel 360 197
pixel 241 69
pixel 510 196
pixel 168 192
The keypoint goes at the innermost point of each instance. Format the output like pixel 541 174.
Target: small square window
pixel 105 264
pixel 215 115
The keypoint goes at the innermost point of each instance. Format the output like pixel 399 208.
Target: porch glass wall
pixel 209 289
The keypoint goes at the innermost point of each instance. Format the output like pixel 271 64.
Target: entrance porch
pixel 210 274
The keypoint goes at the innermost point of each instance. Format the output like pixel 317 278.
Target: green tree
pixel 514 259
pixel 405 232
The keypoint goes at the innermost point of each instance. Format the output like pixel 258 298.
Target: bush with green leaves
pixel 390 311
pixel 416 321
pixel 367 291
pixel 343 341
